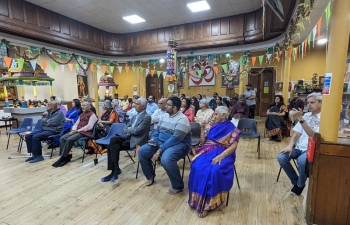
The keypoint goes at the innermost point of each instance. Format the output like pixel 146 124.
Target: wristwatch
pixel 301 121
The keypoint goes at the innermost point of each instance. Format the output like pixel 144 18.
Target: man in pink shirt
pixel 83 127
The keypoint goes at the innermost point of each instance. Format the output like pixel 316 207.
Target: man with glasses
pixel 151 106
pixel 158 113
pixel 171 141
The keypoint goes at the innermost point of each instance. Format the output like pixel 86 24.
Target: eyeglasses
pixel 168 105
pixel 160 103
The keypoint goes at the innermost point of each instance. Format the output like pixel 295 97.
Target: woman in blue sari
pixel 212 168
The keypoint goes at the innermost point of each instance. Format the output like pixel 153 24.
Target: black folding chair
pixel 228 193
pixel 279 172
pixel 196 133
pixel 249 129
pixel 85 140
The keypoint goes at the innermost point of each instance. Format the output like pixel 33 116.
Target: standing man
pixel 307 126
pixel 250 100
pixel 124 104
pixel 82 128
pixel 52 123
pixel 116 96
pixel 212 103
pixel 171 141
pixel 151 106
pixel 295 103
pixel 158 113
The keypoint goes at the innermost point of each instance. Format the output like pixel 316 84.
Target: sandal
pixel 173 192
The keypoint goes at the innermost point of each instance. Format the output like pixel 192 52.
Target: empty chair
pixel 22 134
pixel 26 125
pixel 196 133
pixel 249 130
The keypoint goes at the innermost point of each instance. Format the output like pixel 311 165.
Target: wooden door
pixel 263 81
pixel 154 86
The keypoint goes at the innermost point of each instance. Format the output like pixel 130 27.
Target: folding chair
pixel 22 134
pixel 279 173
pixel 49 140
pixel 196 133
pixel 86 139
pixel 26 125
pixel 249 130
pixel 228 193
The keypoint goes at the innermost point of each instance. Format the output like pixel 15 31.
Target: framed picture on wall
pixel 321 81
pixel 180 77
pixel 82 83
pixel 231 77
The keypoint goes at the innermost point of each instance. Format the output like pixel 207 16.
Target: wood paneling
pixel 47 26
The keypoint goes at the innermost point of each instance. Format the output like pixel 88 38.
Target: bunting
pixel 62 67
pixel 268 56
pixel 199 72
pixel 20 63
pixel 133 69
pixel 319 24
pixel 111 68
pixel 77 67
pixel 104 68
pixel 254 59
pixel 43 65
pixel 53 65
pixel 147 72
pixel 302 50
pixel 33 64
pixel 158 73
pixel 127 69
pixel 8 61
pixel 164 75
pixel 141 70
pixel 191 73
pixel 309 40
pixel 261 57
pixel 152 72
pixel 92 67
pixel 224 67
pixel 216 69
pixel 314 36
pixel 296 52
pixel 305 46
pixel 120 69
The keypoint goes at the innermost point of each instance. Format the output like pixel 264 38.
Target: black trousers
pixel 251 111
pixel 116 144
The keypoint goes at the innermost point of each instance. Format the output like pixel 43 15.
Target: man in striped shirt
pixel 171 141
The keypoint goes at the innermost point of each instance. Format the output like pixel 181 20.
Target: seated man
pixel 136 133
pixel 83 127
pixel 52 123
pixel 157 114
pixel 305 128
pixel 171 140
pixel 240 110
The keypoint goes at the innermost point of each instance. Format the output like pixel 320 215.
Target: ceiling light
pixel 161 60
pixel 198 6
pixel 322 41
pixel 134 19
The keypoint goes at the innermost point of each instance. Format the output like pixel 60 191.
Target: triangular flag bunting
pixel 158 73
pixel 216 69
pixel 70 65
pixel 141 70
pixel 92 67
pixel 77 67
pixel 62 67
pixel 302 50
pixel 147 72
pixel 53 65
pixel 314 36
pixel 280 53
pixel 33 64
pixel 241 60
pixel 164 75
pixel 104 68
pixel 290 50
pixel 20 63
pixel 224 67
pixel 43 65
pixel 208 70
pixel 254 59
pixel 278 58
pixel 111 68
pixel 133 69
pixel 120 69
pixel 319 24
pixel 199 72
pixel 127 69
pixel 268 56
pixel 309 40
pixel 296 52
pixel 152 72
pixel 261 57
pixel 191 73
pixel 8 61
pixel 305 45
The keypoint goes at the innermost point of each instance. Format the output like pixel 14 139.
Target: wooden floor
pixel 40 194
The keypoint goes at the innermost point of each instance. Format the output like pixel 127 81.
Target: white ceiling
pixel 108 14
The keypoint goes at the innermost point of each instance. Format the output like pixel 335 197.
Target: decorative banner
pixel 53 65
pixel 164 75
pixel 253 60
pixel 319 24
pixel 314 36
pixel 63 55
pixel 77 67
pixel 224 67
pixel 290 50
pixel 216 69
pixel 62 67
pixel 127 69
pixel 328 13
pixel 152 72
pixel 8 61
pixel 240 61
pixel 191 73
pixel 20 63
pixel 141 70
pixel 261 57
pixel 293 54
pixel 299 50
pixel 302 50
pixel 33 64
pixel 158 73
pixel 207 70
pixel 280 53
pixel 278 58
pixel 305 45
pixel 228 55
pixel 147 72
pixel 120 69
pixel 199 72
pixel 268 56
pixel 296 52
pixel 133 69
pixel 92 67
pixel 104 68
pixel 111 68
pixel 70 65
pixel 270 50
pixel 33 49
pixel 309 40
pixel 43 65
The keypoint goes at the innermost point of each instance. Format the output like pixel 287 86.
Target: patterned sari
pixel 275 125
pixel 209 184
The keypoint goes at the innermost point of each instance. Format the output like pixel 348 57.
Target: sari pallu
pixel 209 184
pixel 73 115
pixel 275 126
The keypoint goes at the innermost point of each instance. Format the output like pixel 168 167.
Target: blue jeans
pixel 284 161
pixel 169 159
pixel 33 140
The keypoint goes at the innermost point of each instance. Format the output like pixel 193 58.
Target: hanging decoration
pixel 170 65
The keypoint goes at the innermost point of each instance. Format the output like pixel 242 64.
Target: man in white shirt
pixel 124 104
pixel 307 126
pixel 158 113
pixel 250 100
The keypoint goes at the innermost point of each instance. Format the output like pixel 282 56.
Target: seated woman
pixel 240 109
pixel 275 125
pixel 204 115
pixel 187 110
pixel 195 104
pixel 212 167
pixel 129 104
pixel 108 117
pixel 120 112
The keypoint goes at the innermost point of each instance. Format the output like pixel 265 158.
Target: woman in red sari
pixel 187 110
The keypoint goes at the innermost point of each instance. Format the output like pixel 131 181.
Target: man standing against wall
pixel 250 100
pixel 125 102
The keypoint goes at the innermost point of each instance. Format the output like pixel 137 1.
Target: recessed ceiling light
pixel 322 41
pixel 134 19
pixel 198 6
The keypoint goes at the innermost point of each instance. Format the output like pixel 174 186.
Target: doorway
pixel 154 86
pixel 263 81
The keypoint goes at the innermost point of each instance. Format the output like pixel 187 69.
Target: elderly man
pixel 172 141
pixel 52 123
pixel 307 126
pixel 151 106
pixel 158 113
pixel 136 133
pixel 82 128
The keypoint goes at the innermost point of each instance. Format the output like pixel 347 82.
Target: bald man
pixel 158 113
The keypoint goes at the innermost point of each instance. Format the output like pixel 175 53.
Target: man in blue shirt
pixel 151 106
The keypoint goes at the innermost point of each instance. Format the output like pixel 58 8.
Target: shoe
pixel 113 178
pixel 296 190
pixel 66 160
pixel 30 158
pixel 58 162
pixel 38 158
pixel 107 178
